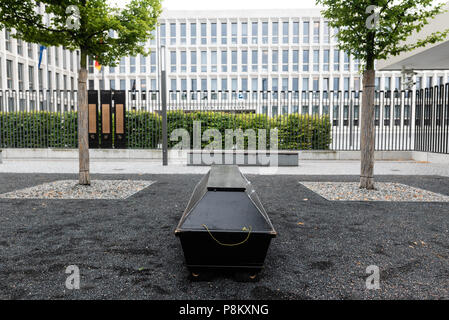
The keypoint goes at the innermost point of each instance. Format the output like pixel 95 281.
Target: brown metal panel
pixel 119 119
pixel 105 116
pixel 92 118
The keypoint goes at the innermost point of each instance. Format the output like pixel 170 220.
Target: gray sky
pixel 232 4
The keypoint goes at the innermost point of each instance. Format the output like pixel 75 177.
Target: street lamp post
pixel 164 106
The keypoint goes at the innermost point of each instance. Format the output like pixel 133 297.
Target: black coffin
pixel 225 225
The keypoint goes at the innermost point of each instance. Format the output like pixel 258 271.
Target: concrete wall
pixel 113 154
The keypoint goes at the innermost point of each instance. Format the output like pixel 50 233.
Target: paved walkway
pixel 311 167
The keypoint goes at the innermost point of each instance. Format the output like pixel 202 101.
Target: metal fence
pixel 404 120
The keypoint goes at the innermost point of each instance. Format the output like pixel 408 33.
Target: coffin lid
pixel 224 200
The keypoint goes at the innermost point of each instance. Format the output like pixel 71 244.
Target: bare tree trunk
pixel 367 132
pixel 83 135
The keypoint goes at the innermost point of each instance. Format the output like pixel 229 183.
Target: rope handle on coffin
pixel 230 244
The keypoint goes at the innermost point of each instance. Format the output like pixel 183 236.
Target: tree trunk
pixel 83 135
pixel 367 132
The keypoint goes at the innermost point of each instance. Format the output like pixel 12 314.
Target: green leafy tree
pixel 93 27
pixel 371 30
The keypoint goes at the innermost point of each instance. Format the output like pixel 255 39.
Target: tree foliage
pixel 132 25
pixel 360 35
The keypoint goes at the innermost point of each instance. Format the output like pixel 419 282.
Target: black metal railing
pixel 404 120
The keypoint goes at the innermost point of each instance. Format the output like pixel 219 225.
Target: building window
pixel 193 33
pixel 326 60
pixel 143 64
pixel 336 84
pixel 275 61
pixel 336 60
pixel 122 84
pixel 71 60
pixel 183 85
pixel 285 32
pixel 213 28
pixel 306 32
pixel 132 64
pixel 57 56
pixel 153 62
pixel 203 84
pixel 143 88
pixel 49 80
pixel 193 61
pixel 265 60
pixel 203 33
pixel 244 61
pixel 265 32
pixel 346 62
pixel 284 84
pixel 254 87
pixel 305 60
pixel 295 57
pixel 183 61
pixel 356 64
pixel 234 33
pixel 327 36
pixel 254 60
pixel 90 62
pixel 274 84
pixel 275 33
pixel 234 61
pixel 183 33
pixel 19 47
pixel 172 61
pixel 8 40
pixel 224 61
pixel 49 56
pixel 305 89
pixel 295 32
pixel 20 76
pixel 234 88
pixel 31 77
pixel 41 80
pixel 316 32
pixel 203 61
pixel 194 86
pixel 224 84
pixel 64 58
pixel 112 84
pixel 213 59
pixel 123 65
pixel 255 29
pixel 316 60
pixel 295 84
pixel 284 60
pixel 224 33
pixel 244 33
pixel 172 33
pixel 244 88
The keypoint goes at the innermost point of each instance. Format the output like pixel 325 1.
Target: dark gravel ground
pixel 126 249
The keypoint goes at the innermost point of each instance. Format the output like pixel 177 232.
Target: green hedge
pixel 144 129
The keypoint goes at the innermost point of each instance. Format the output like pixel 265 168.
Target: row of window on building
pixel 261 84
pixel 234 33
pixel 61 80
pixel 259 61
pixel 240 61
pixel 57 56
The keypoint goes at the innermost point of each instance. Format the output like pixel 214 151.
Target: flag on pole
pixel 41 51
pixel 97 65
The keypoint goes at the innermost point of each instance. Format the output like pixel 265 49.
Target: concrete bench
pixel 242 158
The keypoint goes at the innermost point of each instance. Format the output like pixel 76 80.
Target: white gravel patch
pixel 385 191
pixel 70 189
